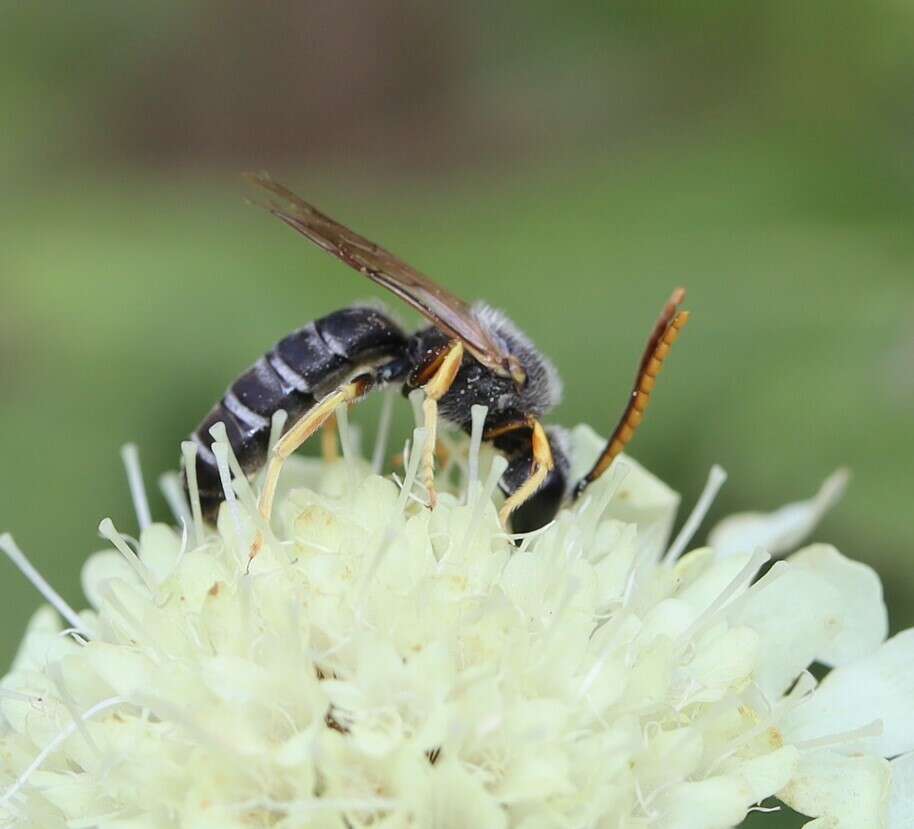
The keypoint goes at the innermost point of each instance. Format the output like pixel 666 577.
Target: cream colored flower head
pixel 385 665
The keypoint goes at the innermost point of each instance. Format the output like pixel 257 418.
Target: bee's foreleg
pixel 445 370
pixel 543 464
pixel 300 431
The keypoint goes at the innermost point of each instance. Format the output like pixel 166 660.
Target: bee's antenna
pixel 664 334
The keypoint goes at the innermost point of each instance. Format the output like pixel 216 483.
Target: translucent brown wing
pixel 446 311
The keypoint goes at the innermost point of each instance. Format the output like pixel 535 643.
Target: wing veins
pixel 446 311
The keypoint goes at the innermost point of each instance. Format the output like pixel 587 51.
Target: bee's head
pixel 538 383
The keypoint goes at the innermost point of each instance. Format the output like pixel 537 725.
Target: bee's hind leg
pixel 444 371
pixel 300 431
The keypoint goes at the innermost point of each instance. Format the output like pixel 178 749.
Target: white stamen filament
pixel 185 537
pixel 740 581
pixel 641 559
pixel 416 399
pixel 109 531
pixel 165 709
pixel 872 729
pixel 342 425
pixel 56 674
pixel 170 487
pixel 55 743
pixel 220 450
pixel 593 508
pixel 832 489
pixel 411 456
pixel 499 465
pixel 128 620
pixel 478 420
pixel 75 635
pixel 6 693
pixel 8 545
pixel 316 804
pixel 130 455
pixel 716 480
pixel 240 481
pixel 643 803
pixel 572 586
pixel 383 434
pixel 189 453
pixel 527 538
pixel 404 454
pixel 277 426
pixel 803 687
pixel 764 582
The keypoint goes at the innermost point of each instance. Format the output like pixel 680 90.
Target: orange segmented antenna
pixel 664 334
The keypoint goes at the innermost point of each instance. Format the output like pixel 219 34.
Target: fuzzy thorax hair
pixel 543 389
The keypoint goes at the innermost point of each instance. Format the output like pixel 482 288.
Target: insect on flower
pixel 470 354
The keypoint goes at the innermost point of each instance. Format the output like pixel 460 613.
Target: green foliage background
pixel 567 162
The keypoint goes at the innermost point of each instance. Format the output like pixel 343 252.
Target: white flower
pixel 383 665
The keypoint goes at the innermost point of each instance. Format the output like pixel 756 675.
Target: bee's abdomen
pixel 297 372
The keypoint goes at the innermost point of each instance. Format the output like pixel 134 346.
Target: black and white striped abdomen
pixel 297 372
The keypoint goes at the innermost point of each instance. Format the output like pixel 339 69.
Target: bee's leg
pixel 330 450
pixel 303 428
pixel 543 464
pixel 664 334
pixel 444 371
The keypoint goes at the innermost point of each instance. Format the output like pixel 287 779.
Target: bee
pixel 468 354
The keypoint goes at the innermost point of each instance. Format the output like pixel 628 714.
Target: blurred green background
pixel 570 162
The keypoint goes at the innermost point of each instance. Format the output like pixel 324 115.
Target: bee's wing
pixel 446 311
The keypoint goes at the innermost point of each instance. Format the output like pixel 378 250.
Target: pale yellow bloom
pixel 383 665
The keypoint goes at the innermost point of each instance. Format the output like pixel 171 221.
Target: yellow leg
pixel 543 464
pixel 436 387
pixel 306 426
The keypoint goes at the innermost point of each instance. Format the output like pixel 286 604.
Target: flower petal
pixel 850 792
pixel 454 800
pixel 863 622
pixel 767 773
pixel 100 569
pixel 161 547
pixel 642 498
pixel 901 794
pixel 724 660
pixel 722 801
pixel 779 531
pixel 42 642
pixel 879 686
pixel 714 803
pixel 793 609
